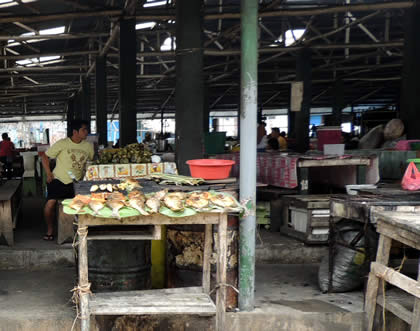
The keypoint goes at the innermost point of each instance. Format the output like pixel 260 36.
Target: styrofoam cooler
pixel 333 149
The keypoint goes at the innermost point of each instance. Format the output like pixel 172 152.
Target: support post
pixel 78 106
pixel 248 140
pixel 301 125
pixel 128 119
pixel 410 87
pixel 85 100
pixel 101 101
pixel 338 103
pixel 189 95
pixel 70 116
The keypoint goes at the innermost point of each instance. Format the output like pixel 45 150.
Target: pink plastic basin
pixel 210 168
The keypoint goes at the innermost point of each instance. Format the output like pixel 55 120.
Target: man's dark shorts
pixel 58 191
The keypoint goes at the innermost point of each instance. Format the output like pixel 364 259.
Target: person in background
pixel 281 138
pixel 282 141
pixel 272 145
pixel 7 150
pixel 262 145
pixel 71 155
pixel 261 132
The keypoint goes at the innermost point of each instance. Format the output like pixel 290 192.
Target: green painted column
pixel 248 140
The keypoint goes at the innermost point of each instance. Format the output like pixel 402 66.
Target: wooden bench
pixel 404 228
pixel 10 203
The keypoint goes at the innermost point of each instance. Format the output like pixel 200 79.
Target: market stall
pixel 292 170
pixel 143 203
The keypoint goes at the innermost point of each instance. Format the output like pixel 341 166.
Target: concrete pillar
pixel 248 152
pixel 189 96
pixel 70 116
pixel 128 121
pixel 101 105
pixel 410 85
pixel 301 125
pixel 337 103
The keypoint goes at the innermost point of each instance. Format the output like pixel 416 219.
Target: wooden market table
pixel 360 208
pixel 10 202
pixel 189 300
pixel 404 228
pixel 303 165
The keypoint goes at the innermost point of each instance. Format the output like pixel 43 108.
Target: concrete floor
pixel 286 298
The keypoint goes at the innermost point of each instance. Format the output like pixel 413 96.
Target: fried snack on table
pixel 174 202
pixel 115 205
pixel 100 196
pixel 96 205
pixel 136 194
pixel 94 188
pixel 116 196
pixel 154 204
pixel 161 194
pixel 138 204
pixel 222 200
pixel 77 204
pixel 84 198
pixel 197 202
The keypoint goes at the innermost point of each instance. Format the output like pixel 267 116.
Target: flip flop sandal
pixel 48 237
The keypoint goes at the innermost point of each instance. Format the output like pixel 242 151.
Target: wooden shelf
pixel 188 300
pixel 155 233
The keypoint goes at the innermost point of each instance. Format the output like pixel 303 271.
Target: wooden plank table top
pixel 354 161
pixel 399 220
pixel 9 188
pixel 155 219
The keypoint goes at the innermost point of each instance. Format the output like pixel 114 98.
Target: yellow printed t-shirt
pixel 282 143
pixel 70 157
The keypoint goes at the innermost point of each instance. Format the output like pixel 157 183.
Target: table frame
pixel 208 219
pixel 303 166
pixel 10 204
pixel 391 226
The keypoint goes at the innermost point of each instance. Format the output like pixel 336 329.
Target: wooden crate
pixel 306 217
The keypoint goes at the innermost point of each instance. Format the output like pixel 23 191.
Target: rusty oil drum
pixel 185 256
pixel 119 265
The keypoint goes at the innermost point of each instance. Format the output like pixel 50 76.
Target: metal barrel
pixel 119 265
pixel 185 258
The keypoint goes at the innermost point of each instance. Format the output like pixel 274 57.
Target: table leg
pixel 382 257
pixel 83 280
pixel 331 247
pixel 415 322
pixel 221 273
pixel 361 174
pixel 208 236
pixel 6 221
pixel 303 180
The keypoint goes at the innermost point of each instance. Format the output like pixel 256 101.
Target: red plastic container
pixel 210 168
pixel 328 135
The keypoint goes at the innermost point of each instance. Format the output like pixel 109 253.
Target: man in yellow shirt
pixel 281 138
pixel 71 155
